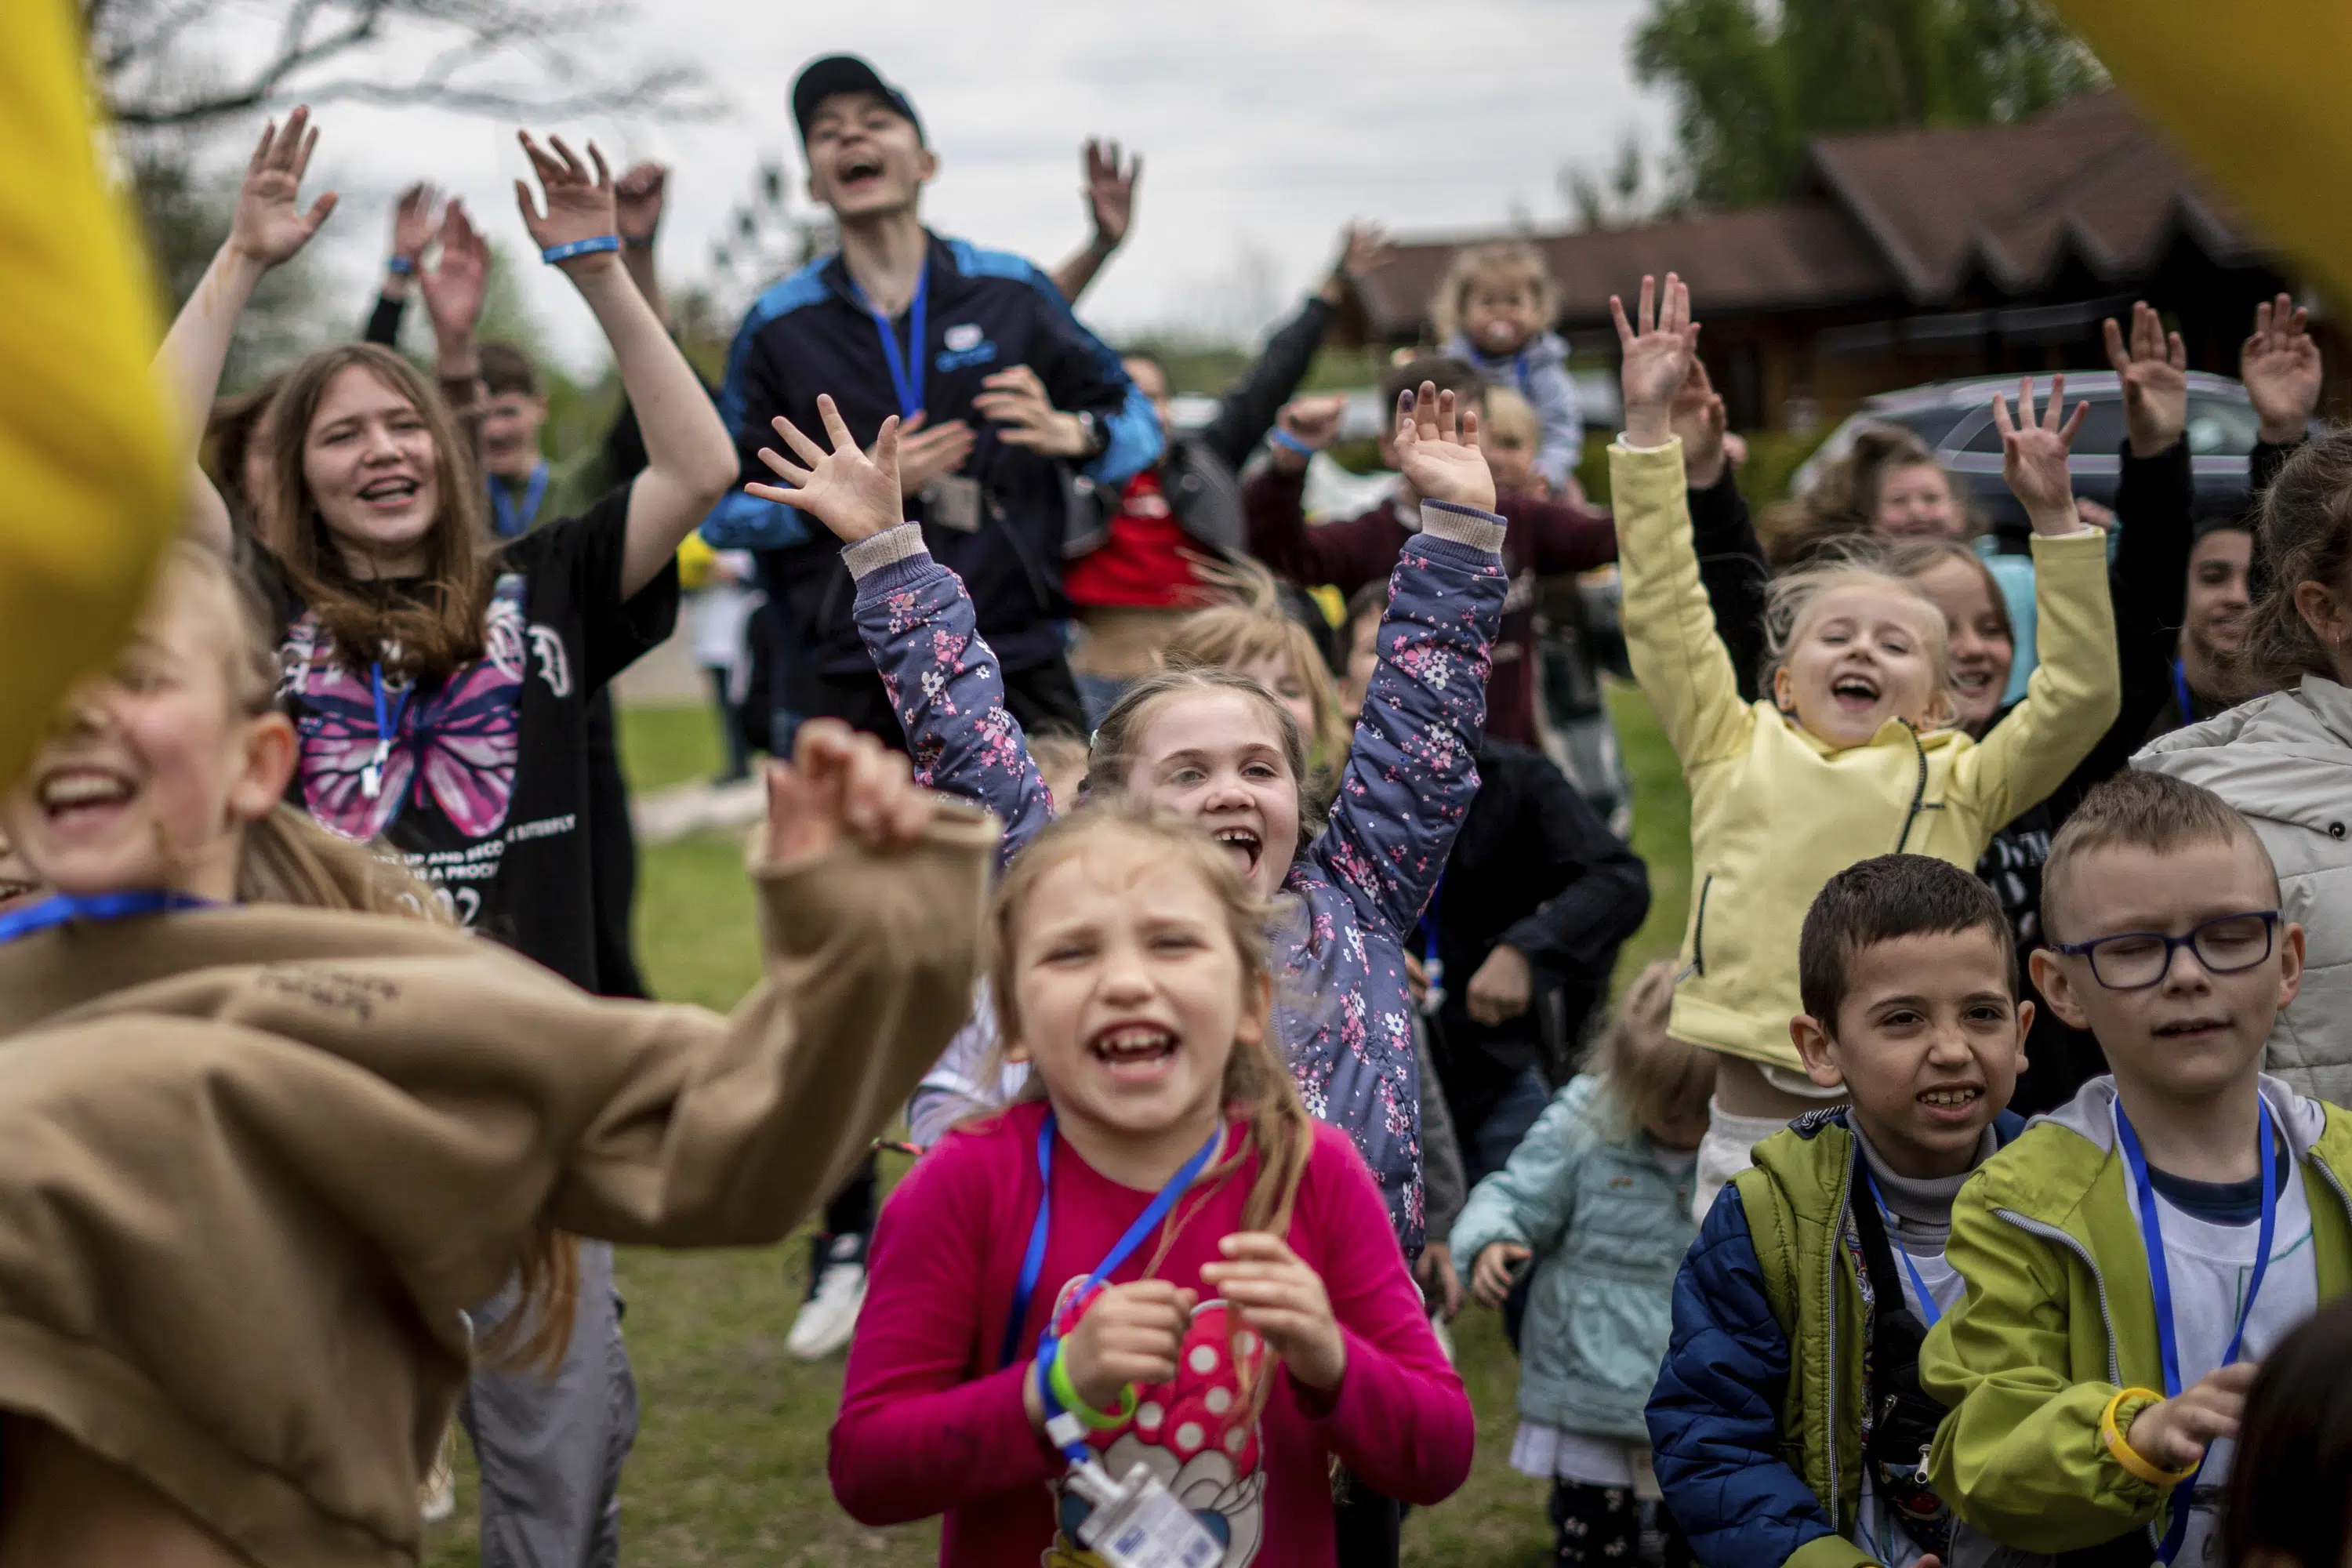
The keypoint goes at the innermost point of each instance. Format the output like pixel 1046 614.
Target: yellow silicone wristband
pixel 2129 1458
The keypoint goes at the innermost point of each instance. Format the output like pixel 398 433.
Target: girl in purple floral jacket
pixel 1218 747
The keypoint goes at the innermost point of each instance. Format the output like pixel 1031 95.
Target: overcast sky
pixel 1265 125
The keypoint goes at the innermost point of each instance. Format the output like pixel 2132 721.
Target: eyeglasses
pixel 2135 961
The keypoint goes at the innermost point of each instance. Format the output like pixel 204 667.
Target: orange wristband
pixel 2129 1458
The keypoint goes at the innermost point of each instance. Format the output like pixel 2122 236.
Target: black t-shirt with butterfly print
pixel 484 790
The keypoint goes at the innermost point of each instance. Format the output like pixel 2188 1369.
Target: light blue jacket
pixel 1607 1227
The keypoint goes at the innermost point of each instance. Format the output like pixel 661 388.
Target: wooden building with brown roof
pixel 1913 256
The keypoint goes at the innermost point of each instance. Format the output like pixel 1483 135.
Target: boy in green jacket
pixel 2132 1256
pixel 1788 1425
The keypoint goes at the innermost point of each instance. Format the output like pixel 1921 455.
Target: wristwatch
pixel 1091 428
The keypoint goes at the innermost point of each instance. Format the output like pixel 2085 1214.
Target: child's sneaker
pixel 836 1290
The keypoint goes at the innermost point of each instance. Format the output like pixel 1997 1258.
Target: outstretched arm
pixel 637 203
pixel 2074 693
pixel 689 459
pixel 1250 406
pixel 918 624
pixel 269 229
pixel 1670 632
pixel 1411 770
pixel 1111 202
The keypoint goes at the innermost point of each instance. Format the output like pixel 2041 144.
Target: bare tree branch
pixel 510 58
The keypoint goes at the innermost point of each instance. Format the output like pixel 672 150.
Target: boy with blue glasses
pixel 2130 1258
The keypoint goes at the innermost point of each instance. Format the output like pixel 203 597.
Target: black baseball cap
pixel 820 78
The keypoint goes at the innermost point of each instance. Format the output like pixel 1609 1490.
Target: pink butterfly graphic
pixel 455 745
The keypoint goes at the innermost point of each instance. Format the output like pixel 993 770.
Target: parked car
pixel 1955 419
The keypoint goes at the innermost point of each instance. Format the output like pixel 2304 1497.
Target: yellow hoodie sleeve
pixel 89 462
pixel 1669 626
pixel 2071 698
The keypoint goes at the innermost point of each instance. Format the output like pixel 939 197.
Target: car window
pixel 2102 434
pixel 1931 425
pixel 2220 427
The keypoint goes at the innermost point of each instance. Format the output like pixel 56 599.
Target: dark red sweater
pixel 1542 539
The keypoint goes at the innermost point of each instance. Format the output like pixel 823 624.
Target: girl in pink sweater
pixel 1158 1239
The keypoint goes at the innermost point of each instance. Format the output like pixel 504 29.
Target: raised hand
pixel 637 200
pixel 580 202
pixel 2154 370
pixel 2173 1433
pixel 1312 421
pixel 1657 347
pixel 855 496
pixel 1127 1334
pixel 414 217
pixel 460 279
pixel 1439 452
pixel 2034 456
pixel 269 225
pixel 1490 1276
pixel 927 452
pixel 841 784
pixel 1696 414
pixel 1110 193
pixel 2280 366
pixel 1285 1301
pixel 1015 402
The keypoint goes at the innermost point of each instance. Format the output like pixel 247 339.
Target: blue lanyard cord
pixel 907 368
pixel 1930 1310
pixel 1429 927
pixel 507 519
pixel 2159 1281
pixel 1032 1261
pixel 2180 694
pixel 59 909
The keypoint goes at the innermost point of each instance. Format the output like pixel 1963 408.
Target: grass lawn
pixel 728 1470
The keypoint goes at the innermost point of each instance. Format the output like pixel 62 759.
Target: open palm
pixel 2034 454
pixel 1438 450
pixel 580 201
pixel 460 279
pixel 2154 369
pixel 269 225
pixel 2280 366
pixel 1657 345
pixel 853 495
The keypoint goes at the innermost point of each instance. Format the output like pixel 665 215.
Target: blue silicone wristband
pixel 400 264
pixel 1285 438
pixel 555 253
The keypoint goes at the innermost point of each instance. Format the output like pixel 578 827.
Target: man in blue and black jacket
pixel 1017 401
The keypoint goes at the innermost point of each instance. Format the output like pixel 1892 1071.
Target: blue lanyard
pixel 2180 694
pixel 1032 1262
pixel 1429 928
pixel 505 519
pixel 905 369
pixel 1930 1310
pixel 60 908
pixel 387 729
pixel 2159 1280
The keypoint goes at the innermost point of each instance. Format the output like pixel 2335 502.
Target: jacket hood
pixel 2282 757
pixel 2091 1114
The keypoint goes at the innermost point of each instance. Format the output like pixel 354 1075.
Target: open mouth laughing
pixel 1855 691
pixel 1244 844
pixel 1133 1050
pixel 74 797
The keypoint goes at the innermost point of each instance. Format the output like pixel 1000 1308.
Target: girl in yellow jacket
pixel 1853 751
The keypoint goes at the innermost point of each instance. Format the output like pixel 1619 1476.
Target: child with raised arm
pixel 2132 1255
pixel 1153 1259
pixel 441 684
pixel 1788 1420
pixel 1854 750
pixel 1220 748
pixel 258 1163
pixel 1495 310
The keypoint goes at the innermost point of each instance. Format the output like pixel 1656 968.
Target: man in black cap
pixel 1009 404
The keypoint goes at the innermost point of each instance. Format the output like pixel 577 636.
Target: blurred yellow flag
pixel 2254 91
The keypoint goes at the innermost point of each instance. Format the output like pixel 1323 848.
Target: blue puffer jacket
pixel 1757 1473
pixel 1607 1226
pixel 1342 1012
